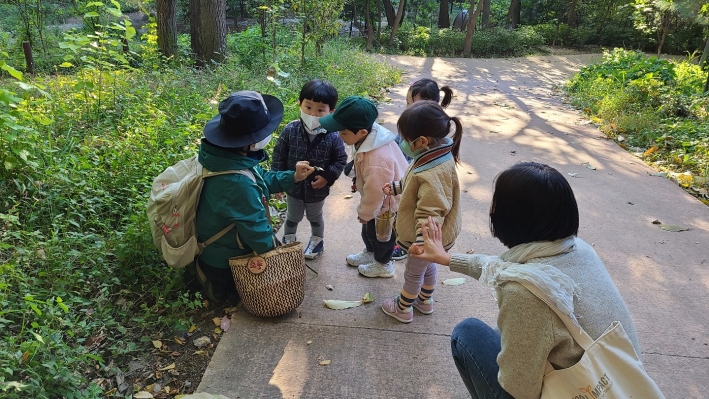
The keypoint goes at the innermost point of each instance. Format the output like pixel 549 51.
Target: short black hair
pixel 532 202
pixel 320 91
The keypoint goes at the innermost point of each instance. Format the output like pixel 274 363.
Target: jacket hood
pixel 379 137
pixel 216 159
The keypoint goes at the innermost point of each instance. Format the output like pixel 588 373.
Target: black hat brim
pixel 215 135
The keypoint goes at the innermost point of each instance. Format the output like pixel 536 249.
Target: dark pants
pixel 475 347
pixel 221 280
pixel 382 250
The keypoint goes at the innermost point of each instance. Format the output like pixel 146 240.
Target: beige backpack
pixel 172 208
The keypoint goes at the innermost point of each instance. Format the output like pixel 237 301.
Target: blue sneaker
pixel 399 253
pixel 314 248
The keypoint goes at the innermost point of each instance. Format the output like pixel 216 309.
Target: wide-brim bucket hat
pixel 245 118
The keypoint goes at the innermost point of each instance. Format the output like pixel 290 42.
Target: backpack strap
pixel 206 173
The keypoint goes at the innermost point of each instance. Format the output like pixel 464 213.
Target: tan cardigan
pixel 429 188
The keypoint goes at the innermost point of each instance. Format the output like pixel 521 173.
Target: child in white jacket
pixel 377 160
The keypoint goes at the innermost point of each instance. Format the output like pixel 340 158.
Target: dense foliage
pixel 81 286
pixel 656 108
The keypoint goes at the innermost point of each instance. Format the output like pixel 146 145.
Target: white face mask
pixel 261 144
pixel 310 122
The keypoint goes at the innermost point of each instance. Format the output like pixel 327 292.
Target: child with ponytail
pixel 429 188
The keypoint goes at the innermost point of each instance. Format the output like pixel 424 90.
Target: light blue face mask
pixel 406 149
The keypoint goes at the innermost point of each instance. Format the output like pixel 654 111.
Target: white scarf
pixel 557 288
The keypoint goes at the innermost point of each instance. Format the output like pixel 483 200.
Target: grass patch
pixel 83 290
pixel 655 108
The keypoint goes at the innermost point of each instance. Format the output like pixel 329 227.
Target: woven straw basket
pixel 278 288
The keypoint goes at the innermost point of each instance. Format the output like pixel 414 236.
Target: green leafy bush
pixel 657 105
pixel 82 288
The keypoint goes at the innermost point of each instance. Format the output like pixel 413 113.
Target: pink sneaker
pixel 425 307
pixel 391 308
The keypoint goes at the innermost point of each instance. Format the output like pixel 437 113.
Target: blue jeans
pixel 475 347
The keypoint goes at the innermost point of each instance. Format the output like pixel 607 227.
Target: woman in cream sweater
pixel 534 214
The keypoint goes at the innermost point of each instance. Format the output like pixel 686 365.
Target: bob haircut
pixel 320 91
pixel 532 202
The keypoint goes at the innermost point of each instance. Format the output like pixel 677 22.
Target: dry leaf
pixel 329 287
pixel 470 251
pixel 368 297
pixel 142 395
pixel 651 150
pixel 192 328
pixel 225 324
pixel 348 196
pixel 309 342
pixel 179 340
pixel 170 367
pixel 574 174
pixel 656 222
pixel 217 321
pixel 232 309
pixel 673 228
pixel 157 344
pixel 324 362
pixel 454 281
pixel 589 166
pixel 217 330
pixel 200 353
pixel 339 305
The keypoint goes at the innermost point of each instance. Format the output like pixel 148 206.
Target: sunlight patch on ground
pixel 291 373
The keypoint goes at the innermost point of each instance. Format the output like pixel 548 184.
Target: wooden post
pixel 28 56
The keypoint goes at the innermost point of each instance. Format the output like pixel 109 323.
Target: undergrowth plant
pixel 656 108
pixel 82 288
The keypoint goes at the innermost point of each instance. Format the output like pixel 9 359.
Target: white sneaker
pixel 360 258
pixel 376 269
pixel 289 238
pixel 315 248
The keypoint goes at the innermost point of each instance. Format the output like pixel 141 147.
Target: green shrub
pixel 81 286
pixel 651 102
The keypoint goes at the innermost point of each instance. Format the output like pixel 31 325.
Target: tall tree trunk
pixel 444 20
pixel 379 23
pixel 570 20
pixel 389 12
pixel 468 45
pixel 515 11
pixel 704 54
pixel 208 30
pixel 486 14
pixel 167 26
pixel 666 19
pixel 368 26
pixel 397 20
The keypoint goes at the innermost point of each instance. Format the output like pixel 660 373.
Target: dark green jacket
pixel 235 198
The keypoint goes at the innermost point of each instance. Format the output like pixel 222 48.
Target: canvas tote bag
pixel 609 368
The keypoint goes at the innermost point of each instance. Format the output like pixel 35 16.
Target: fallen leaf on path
pixel 659 174
pixel 574 175
pixel 368 297
pixel 673 228
pixel 588 166
pixel 454 281
pixel 470 251
pixel 201 341
pixel 157 344
pixel 339 305
pixel 656 222
pixel 309 342
pixel 192 328
pixel 620 138
pixel 348 196
pixel 324 362
pixel 225 324
pixel 231 309
pixel 142 395
pixel 329 287
pixel 217 321
pixel 170 367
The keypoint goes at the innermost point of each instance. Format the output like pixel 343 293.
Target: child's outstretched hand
pixel 302 170
pixel 319 182
pixel 432 248
pixel 386 189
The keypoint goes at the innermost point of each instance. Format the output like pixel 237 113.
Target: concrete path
pixel 511 113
